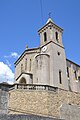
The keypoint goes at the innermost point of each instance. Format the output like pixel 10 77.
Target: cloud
pixel 6 74
pixel 12 54
pixel 8 63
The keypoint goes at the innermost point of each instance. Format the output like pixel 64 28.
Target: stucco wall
pixel 74 82
pixel 70 112
pixel 43 69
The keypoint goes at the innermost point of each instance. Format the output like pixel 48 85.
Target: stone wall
pixel 45 103
pixel 4 98
pixel 28 102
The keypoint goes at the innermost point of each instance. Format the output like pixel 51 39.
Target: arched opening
pixel 60 76
pixel 57 36
pixel 23 81
pixel 45 36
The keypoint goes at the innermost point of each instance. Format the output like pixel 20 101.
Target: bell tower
pixel 50 32
pixel 51 38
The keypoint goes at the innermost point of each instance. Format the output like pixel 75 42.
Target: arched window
pixel 57 36
pixel 60 77
pixel 30 65
pixel 21 67
pixel 37 63
pixel 68 71
pixel 23 80
pixel 45 36
pixel 75 73
pixel 26 64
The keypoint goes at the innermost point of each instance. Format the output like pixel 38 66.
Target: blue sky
pixel 21 19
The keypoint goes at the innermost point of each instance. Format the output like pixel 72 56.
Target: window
pixel 30 65
pixel 26 64
pixel 57 36
pixel 79 78
pixel 37 80
pixel 37 63
pixel 45 37
pixel 60 77
pixel 21 67
pixel 68 71
pixel 75 73
pixel 58 53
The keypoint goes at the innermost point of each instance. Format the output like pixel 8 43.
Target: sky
pixel 21 19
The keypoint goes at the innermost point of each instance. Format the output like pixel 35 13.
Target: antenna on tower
pixel 41 10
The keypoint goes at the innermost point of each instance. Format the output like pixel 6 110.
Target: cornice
pixel 22 74
pixel 28 51
pixel 48 25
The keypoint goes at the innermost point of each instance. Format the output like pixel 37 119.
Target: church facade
pixel 47 64
pixel 47 84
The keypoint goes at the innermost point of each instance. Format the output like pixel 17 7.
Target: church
pixel 47 84
pixel 47 64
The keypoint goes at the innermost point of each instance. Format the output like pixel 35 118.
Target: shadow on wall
pixel 25 117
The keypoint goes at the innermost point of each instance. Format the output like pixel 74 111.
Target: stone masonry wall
pixel 28 102
pixel 4 98
pixel 45 103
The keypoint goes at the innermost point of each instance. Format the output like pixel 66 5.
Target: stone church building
pixel 47 84
pixel 47 64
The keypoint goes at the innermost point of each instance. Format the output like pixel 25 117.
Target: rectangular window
pixel 30 65
pixel 26 64
pixel 68 71
pixel 75 73
pixel 60 77
pixel 45 37
pixel 21 68
pixel 57 36
pixel 37 63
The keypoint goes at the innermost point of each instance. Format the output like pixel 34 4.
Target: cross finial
pixel 49 14
pixel 26 46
